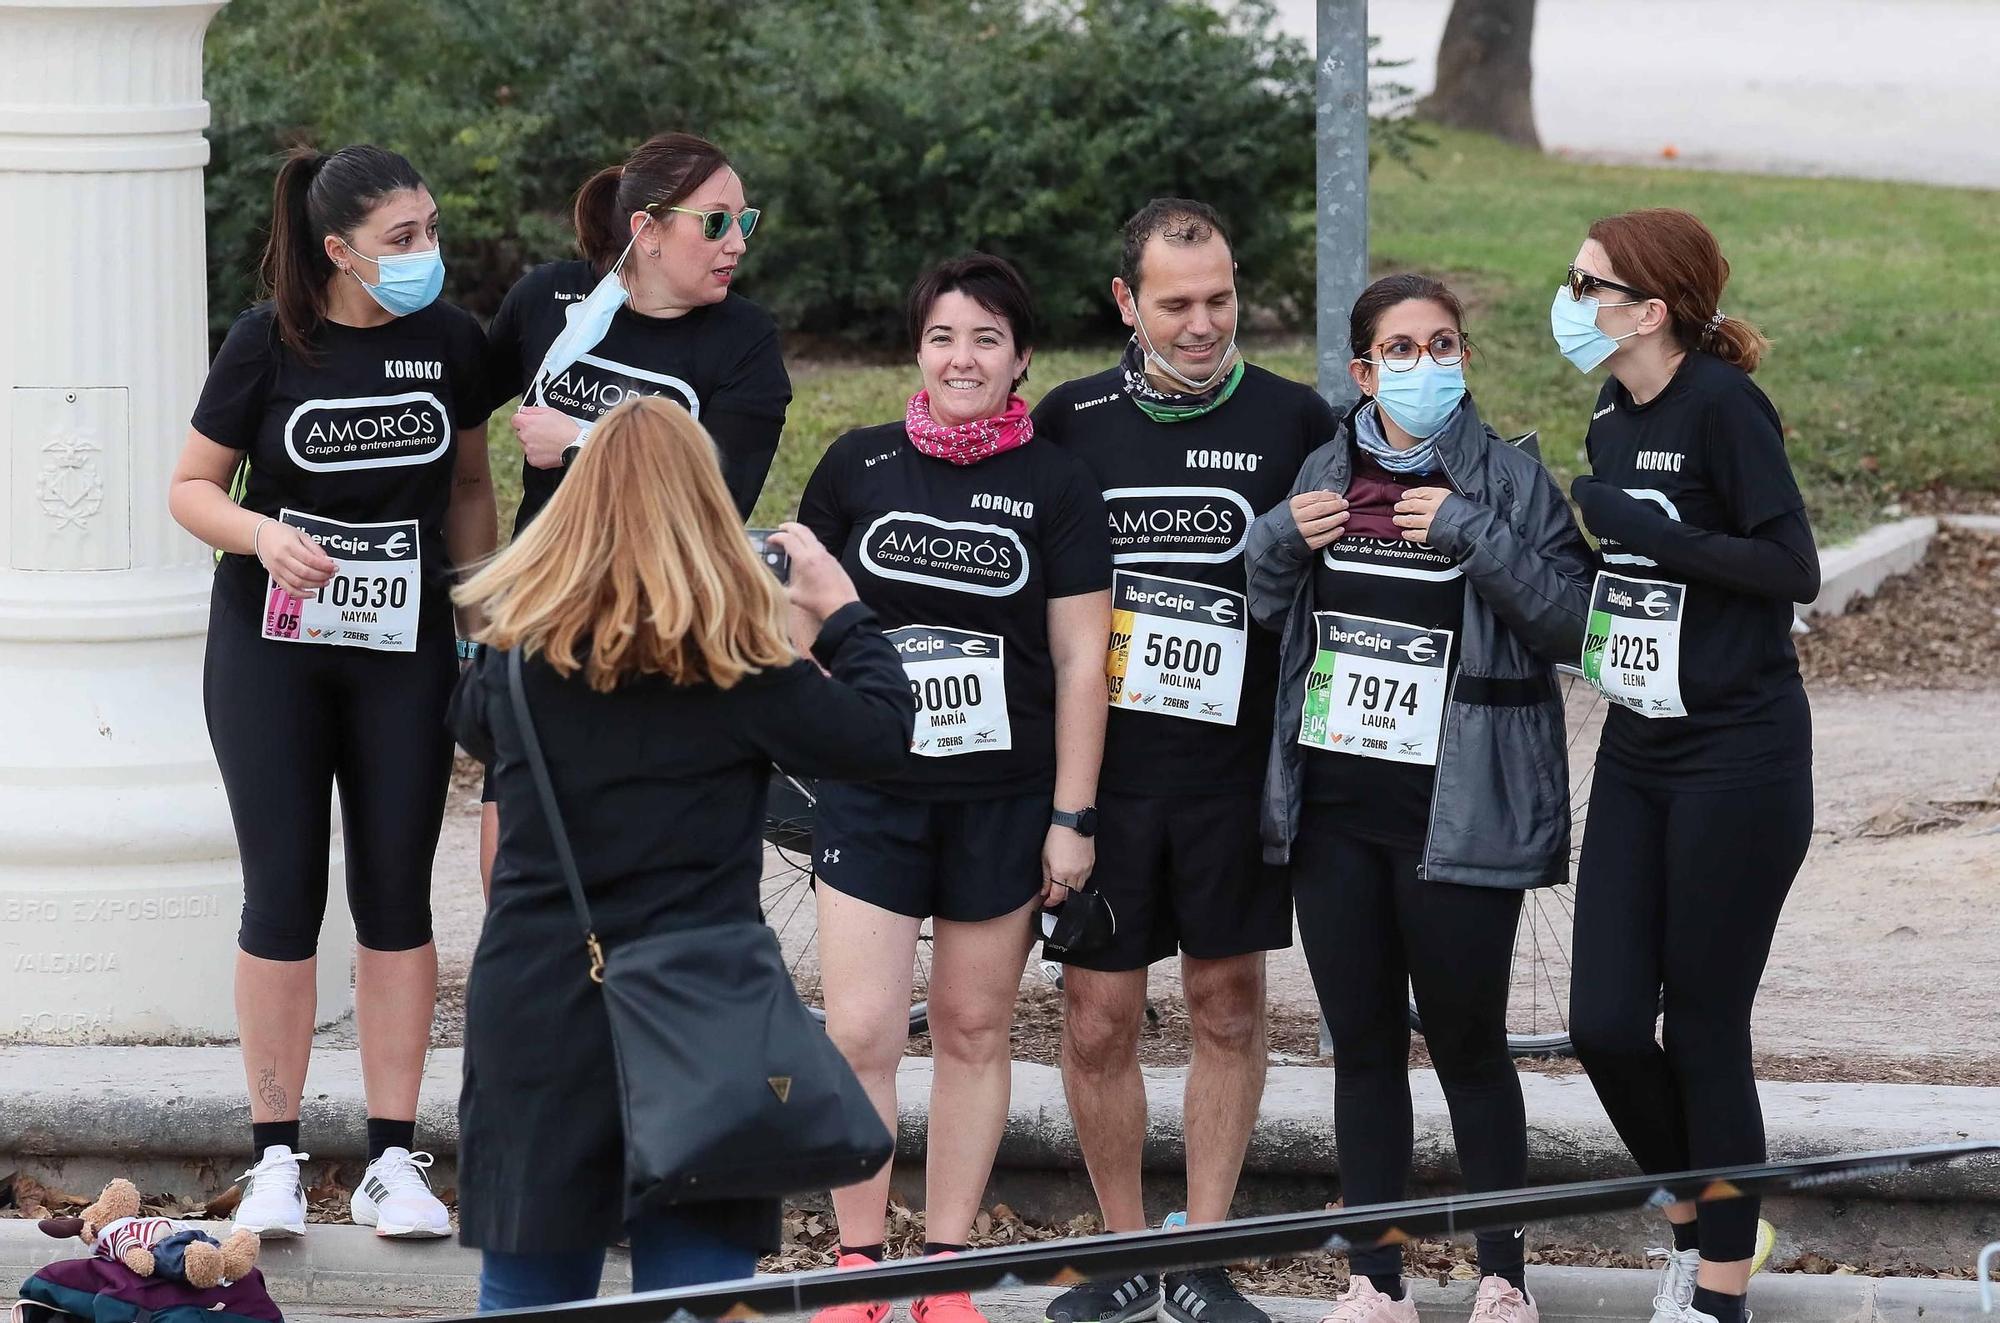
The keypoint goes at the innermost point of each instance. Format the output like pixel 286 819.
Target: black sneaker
pixel 1135 1298
pixel 1206 1295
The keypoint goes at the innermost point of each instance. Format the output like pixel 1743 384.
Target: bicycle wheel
pixel 1539 977
pixel 786 896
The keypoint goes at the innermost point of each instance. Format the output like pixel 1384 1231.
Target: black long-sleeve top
pixel 662 789
pixel 1693 487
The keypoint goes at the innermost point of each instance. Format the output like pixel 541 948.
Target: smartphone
pixel 774 558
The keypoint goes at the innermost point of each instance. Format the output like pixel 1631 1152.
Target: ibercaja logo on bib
pixel 965 557
pixel 1185 525
pixel 591 387
pixel 370 432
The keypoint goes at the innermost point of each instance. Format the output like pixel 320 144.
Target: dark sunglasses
pixel 715 224
pixel 1582 284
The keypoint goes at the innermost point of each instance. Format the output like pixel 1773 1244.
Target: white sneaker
pixel 1676 1291
pixel 1684 1314
pixel 395 1198
pixel 273 1205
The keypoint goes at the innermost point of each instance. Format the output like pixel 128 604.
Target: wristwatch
pixel 575 447
pixel 1083 822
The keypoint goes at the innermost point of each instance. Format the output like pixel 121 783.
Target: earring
pixel 653 253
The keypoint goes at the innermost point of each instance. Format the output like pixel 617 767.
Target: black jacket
pixel 662 789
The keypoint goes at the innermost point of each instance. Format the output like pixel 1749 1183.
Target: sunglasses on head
pixel 715 224
pixel 1582 285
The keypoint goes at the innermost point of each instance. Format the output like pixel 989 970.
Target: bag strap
pixel 545 790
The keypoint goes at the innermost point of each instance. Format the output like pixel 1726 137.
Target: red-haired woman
pixel 1703 805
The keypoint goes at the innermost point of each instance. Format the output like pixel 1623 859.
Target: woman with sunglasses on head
pixel 1702 805
pixel 986 553
pixel 647 311
pixel 1424 577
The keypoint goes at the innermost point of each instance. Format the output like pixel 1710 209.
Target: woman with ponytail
pixel 357 402
pixel 661 238
pixel 648 310
pixel 1702 807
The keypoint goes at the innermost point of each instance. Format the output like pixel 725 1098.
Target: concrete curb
pixel 187 1105
pixel 340 1268
pixel 1854 570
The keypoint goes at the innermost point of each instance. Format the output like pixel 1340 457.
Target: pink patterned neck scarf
pixel 967 443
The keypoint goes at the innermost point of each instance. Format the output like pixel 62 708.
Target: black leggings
pixel 288 722
pixel 1374 932
pixel 1680 890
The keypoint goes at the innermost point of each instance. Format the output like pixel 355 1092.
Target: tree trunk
pixel 1484 74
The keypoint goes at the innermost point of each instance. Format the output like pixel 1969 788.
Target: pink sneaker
pixel 870 1311
pixel 951 1307
pixel 1362 1303
pixel 1500 1301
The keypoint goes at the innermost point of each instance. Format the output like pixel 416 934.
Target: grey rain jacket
pixel 1500 814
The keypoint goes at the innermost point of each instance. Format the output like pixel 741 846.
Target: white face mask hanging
pixel 585 324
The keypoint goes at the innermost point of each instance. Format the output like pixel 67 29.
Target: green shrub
pixel 877 134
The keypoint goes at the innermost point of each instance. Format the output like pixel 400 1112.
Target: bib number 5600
pixel 1190 656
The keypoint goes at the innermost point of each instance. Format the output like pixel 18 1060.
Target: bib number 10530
pixel 958 679
pixel 373 597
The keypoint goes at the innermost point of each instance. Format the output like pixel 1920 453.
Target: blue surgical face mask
pixel 585 324
pixel 1421 400
pixel 409 282
pixel 1574 323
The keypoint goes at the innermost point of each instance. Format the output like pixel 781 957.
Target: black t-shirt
pixel 367 433
pixel 1180 498
pixel 721 361
pixel 1382 578
pixel 959 562
pixel 1709 452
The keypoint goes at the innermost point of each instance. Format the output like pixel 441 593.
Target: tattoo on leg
pixel 268 1089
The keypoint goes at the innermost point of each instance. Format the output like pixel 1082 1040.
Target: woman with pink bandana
pixel 987 556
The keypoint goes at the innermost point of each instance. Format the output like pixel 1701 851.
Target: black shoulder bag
pixel 728 1088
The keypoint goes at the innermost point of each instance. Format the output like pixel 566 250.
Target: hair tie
pixel 1715 322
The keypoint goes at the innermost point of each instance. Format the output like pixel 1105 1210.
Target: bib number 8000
pixel 945 693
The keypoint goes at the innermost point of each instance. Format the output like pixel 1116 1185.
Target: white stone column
pixel 119 885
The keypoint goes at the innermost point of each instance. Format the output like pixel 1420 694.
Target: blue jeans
pixel 667 1251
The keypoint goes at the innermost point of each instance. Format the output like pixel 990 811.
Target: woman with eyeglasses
pixel 647 311
pixel 1702 805
pixel 1424 577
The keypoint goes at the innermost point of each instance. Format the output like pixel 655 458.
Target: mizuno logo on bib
pixel 1376 689
pixel 1632 643
pixel 959 681
pixel 1176 648
pixel 373 597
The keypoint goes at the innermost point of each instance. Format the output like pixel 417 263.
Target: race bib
pixel 1377 688
pixel 959 681
pixel 1176 648
pixel 372 599
pixel 1632 644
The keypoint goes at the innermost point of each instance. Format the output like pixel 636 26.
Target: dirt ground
pixel 1889 950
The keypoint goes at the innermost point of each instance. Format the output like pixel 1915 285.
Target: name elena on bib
pixel 1632 643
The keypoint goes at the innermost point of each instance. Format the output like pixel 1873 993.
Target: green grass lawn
pixel 1882 302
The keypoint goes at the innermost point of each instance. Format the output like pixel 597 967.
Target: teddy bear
pixel 114 1229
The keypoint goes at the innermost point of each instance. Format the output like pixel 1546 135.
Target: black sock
pixel 385 1135
pixel 873 1252
pixel 1722 1308
pixel 1388 1283
pixel 1687 1235
pixel 263 1134
pixel 940 1247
